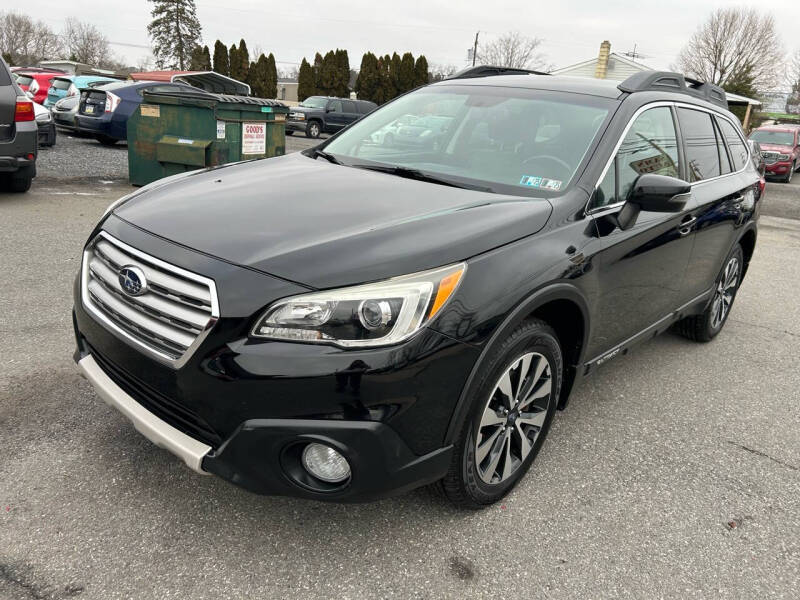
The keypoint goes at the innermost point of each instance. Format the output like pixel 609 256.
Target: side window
pixel 650 146
pixel 736 144
pixel 349 106
pixel 701 145
pixel 335 106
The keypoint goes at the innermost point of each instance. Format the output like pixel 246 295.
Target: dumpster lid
pixel 224 98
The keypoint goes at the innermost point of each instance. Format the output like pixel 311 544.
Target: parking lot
pixel 675 471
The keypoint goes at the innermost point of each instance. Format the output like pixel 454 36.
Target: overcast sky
pixel 571 30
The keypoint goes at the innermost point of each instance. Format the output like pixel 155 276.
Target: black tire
pixel 290 133
pixel 313 129
pixel 705 326
pixel 463 485
pixel 20 182
pixel 106 141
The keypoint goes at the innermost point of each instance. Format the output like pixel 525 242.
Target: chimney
pixel 601 70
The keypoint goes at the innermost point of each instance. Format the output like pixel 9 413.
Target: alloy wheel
pixel 513 418
pixel 723 296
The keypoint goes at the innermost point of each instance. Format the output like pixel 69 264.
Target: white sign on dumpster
pixel 254 138
pixel 220 130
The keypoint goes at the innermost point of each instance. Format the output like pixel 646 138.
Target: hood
pixel 325 225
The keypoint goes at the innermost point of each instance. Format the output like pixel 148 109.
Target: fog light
pixel 325 463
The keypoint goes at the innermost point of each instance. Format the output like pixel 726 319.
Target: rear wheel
pixel 704 327
pixel 20 181
pixel 509 416
pixel 290 133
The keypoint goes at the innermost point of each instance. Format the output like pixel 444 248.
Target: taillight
pixel 24 110
pixel 112 102
pixel 72 90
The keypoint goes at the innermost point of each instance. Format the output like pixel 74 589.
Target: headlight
pixel 297 116
pixel 783 157
pixel 375 314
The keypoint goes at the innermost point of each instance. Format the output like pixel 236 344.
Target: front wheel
pixel 510 413
pixel 790 174
pixel 106 141
pixel 290 133
pixel 704 327
pixel 313 129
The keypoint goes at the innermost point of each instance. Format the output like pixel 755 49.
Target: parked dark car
pixel 45 125
pixel 322 114
pixel 18 135
pixel 419 316
pixel 103 111
pixel 64 112
pixel 780 147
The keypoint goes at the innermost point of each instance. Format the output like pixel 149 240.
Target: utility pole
pixel 475 48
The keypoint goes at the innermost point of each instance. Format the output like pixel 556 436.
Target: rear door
pixel 642 269
pixel 723 190
pixel 350 111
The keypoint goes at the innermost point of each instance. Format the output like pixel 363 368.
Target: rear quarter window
pixel 702 153
pixel 736 145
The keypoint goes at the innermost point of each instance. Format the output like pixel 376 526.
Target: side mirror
pixel 654 193
pixel 328 109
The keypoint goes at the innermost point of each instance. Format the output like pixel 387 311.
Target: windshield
pixel 314 102
pixel 508 140
pixel 61 84
pixel 781 138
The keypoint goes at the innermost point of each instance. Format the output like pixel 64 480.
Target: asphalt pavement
pixel 675 471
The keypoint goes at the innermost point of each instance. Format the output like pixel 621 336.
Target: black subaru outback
pixel 361 319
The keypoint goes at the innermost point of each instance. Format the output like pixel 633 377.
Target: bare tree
pixel 512 49
pixel 87 44
pixel 793 79
pixel 732 42
pixel 27 41
pixel 440 72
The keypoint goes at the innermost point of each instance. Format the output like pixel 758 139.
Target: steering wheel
pixel 561 164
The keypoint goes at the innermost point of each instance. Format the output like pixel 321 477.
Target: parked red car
pixel 36 82
pixel 780 147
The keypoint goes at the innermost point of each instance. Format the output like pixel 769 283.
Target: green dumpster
pixel 175 132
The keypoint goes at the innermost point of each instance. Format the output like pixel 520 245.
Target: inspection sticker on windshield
pixel 543 183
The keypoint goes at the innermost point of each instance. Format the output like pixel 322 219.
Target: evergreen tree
pixel 421 75
pixel 406 75
pixel 175 32
pixel 241 65
pixel 233 61
pixel 328 76
pixel 342 74
pixel 196 59
pixel 206 59
pixel 368 82
pixel 743 84
pixel 305 81
pixel 317 74
pixel 221 63
pixel 388 90
pixel 257 78
pixel 271 79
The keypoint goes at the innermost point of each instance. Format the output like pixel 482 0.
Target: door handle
pixel 738 199
pixel 685 227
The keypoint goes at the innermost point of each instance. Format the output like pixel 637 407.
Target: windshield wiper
pixel 317 153
pixel 417 175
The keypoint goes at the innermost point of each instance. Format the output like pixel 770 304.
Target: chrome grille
pixel 770 157
pixel 168 320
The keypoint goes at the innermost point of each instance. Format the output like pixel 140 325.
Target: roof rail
pixel 490 71
pixel 674 82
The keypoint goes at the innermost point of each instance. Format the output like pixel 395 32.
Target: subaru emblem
pixel 132 280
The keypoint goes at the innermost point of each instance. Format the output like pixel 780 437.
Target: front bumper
pixel 296 125
pixel 778 168
pixel 248 404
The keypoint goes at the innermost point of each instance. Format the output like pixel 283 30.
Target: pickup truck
pixel 323 114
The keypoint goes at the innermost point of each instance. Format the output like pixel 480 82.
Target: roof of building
pixel 632 64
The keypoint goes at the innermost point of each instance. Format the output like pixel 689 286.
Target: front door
pixel 642 269
pixel 335 116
